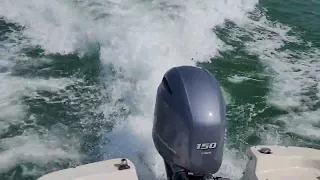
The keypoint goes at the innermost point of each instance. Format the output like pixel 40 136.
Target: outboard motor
pixel 189 123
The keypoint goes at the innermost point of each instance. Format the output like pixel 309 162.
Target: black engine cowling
pixel 189 121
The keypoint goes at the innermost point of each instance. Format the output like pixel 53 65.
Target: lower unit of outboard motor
pixel 189 123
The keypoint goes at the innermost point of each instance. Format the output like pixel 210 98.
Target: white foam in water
pixel 295 82
pixel 54 25
pixel 142 39
pixel 239 79
pixel 28 147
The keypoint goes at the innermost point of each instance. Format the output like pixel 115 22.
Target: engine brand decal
pixel 206 146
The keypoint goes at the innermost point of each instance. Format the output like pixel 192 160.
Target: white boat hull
pixel 282 163
pixel 103 170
